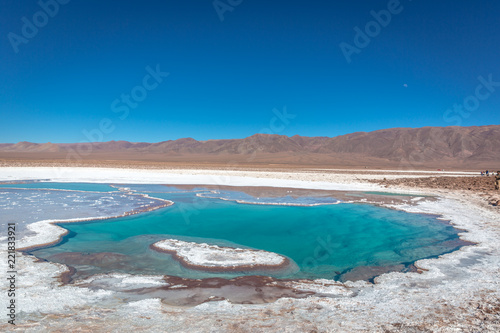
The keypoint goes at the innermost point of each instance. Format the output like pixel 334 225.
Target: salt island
pixel 203 256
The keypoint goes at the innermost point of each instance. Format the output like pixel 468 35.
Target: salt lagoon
pixel 447 291
pixel 320 236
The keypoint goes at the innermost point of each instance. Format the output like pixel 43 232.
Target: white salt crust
pixel 203 255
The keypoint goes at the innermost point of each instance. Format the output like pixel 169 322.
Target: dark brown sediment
pixel 254 289
pixel 66 277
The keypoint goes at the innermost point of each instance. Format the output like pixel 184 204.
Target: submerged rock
pixel 85 258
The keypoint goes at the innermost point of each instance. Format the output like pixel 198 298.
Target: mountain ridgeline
pixel 427 147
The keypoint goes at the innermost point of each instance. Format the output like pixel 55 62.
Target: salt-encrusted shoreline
pixel 215 258
pixel 456 292
pixel 48 233
pixel 56 189
pixel 201 195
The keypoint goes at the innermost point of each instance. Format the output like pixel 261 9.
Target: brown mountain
pixel 427 147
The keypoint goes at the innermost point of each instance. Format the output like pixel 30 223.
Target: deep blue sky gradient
pixel 226 77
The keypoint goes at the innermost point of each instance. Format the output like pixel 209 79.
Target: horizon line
pixel 242 138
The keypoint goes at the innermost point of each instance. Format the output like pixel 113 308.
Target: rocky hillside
pixel 412 147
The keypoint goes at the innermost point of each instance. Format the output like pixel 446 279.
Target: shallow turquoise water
pixel 323 241
pixel 92 187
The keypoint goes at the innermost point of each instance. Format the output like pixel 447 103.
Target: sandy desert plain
pixel 457 292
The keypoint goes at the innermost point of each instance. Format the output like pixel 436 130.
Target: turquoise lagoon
pixel 322 241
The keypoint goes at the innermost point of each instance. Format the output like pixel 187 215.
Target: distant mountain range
pixel 427 147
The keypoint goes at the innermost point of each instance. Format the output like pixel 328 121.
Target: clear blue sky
pixel 226 77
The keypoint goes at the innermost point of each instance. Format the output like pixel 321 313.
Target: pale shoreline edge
pixel 49 233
